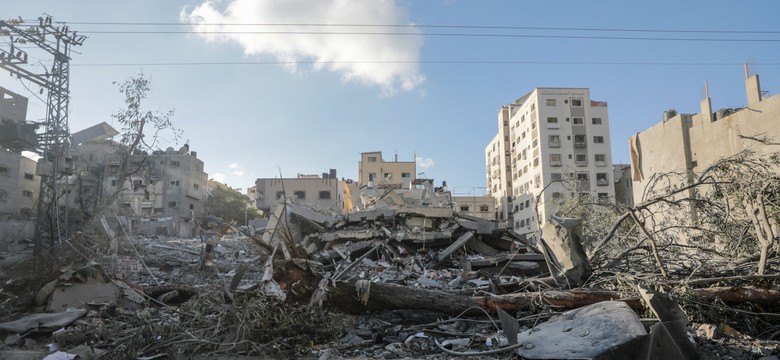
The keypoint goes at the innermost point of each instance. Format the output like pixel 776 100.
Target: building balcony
pixel 580 144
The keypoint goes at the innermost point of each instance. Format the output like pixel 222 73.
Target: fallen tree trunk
pixel 346 297
pixel 359 296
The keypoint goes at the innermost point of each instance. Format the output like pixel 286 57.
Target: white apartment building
pixel 554 142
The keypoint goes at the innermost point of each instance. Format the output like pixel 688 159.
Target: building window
pixel 484 208
pixel 372 159
pixel 579 141
pixel 174 182
pixel 533 125
pixel 601 179
pixel 577 121
pixel 27 193
pixel 406 175
pixel 598 139
pixel 576 102
pixel 371 177
pixel 279 195
pixel 555 160
pixel 536 162
pixel 533 107
pixel 300 194
pixel 552 120
pixel 4 171
pixel 3 195
pixel 174 164
pixel 464 208
pixel 556 195
pixel 137 184
pixel 538 180
pixel 28 176
pixel 522 223
pixel 550 102
pixel 596 121
pixel 195 186
pixel 601 158
pixel 388 176
pixel 603 197
pixel 172 204
pixel 25 212
pixel 554 141
pixel 581 158
pixel 113 182
pixel 325 195
pixel 582 176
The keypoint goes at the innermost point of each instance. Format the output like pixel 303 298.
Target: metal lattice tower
pixel 53 141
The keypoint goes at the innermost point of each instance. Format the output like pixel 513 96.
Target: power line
pixel 385 33
pixel 443 26
pixel 443 62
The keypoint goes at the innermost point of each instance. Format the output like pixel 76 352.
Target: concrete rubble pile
pixel 395 280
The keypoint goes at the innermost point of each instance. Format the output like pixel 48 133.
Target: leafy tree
pixel 230 205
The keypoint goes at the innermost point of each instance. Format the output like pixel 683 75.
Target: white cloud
pixel 220 177
pixel 238 170
pixel 347 54
pixel 425 163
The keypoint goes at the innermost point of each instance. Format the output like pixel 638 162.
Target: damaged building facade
pixel 163 194
pixel 689 143
pixel 553 143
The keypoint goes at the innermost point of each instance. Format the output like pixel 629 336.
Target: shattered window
pixel 554 140
pixel 172 204
pixel 324 195
pixel 388 176
pixel 601 179
pixel 4 171
pixel 300 194
pixel 28 176
pixel 484 208
pixel 371 176
pixel 279 194
pixel 582 176
pixel 464 208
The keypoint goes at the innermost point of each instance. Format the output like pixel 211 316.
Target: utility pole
pixel 53 141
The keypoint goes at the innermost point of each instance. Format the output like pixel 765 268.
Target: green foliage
pixel 230 205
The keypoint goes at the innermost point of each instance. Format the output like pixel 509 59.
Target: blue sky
pixel 425 94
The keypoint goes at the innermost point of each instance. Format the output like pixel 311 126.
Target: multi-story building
pixel 163 194
pixel 689 143
pixel 19 185
pixel 314 190
pixel 374 171
pixel 552 143
pixel 624 186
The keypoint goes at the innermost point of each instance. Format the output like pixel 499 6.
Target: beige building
pixel 374 171
pixel 19 185
pixel 624 186
pixel 553 143
pixel 477 206
pixel 689 143
pixel 314 190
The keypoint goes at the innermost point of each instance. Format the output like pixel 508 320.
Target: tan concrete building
pixel 477 206
pixel 314 190
pixel 689 143
pixel 624 186
pixel 19 185
pixel 552 142
pixel 374 171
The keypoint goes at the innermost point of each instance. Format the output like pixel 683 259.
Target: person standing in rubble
pixel 209 236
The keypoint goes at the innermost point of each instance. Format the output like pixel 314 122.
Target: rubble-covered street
pixel 390 282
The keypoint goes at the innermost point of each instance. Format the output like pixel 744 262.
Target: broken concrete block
pixel 582 333
pixel 566 258
pixel 78 295
pixel 43 322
